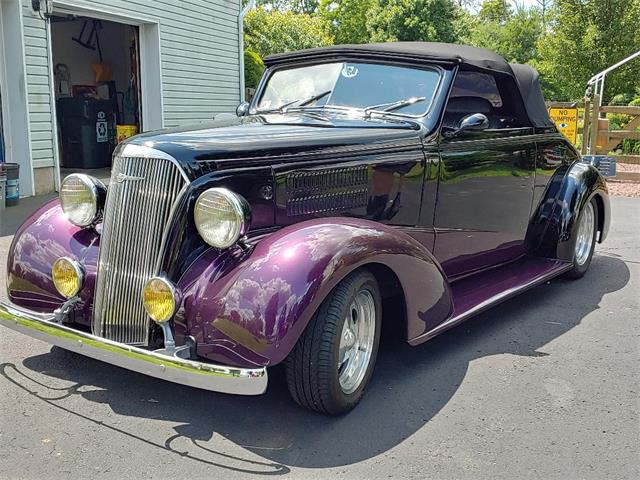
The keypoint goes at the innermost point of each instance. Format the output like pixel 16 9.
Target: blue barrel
pixel 3 185
pixel 12 188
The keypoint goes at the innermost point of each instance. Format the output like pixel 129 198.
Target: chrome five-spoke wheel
pixel 584 235
pixel 356 341
pixel 332 362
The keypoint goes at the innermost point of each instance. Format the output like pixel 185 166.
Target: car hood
pixel 275 138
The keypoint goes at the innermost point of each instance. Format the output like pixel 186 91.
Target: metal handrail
pixel 598 79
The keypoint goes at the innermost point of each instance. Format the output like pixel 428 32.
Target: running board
pixel 476 293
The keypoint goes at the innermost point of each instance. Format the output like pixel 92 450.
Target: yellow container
pixel 125 131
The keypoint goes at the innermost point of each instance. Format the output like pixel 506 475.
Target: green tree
pixel 494 11
pixel 417 20
pixel 253 68
pixel 296 6
pixel 512 34
pixel 269 32
pixel 585 37
pixel 346 19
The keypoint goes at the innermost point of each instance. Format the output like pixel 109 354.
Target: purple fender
pixel 43 238
pixel 251 308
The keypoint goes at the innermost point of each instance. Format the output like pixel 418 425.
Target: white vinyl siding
pixel 39 105
pixel 199 57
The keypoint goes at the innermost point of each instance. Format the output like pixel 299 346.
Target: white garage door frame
pixel 150 60
pixel 13 82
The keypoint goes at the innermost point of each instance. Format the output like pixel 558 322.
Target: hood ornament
pixel 123 177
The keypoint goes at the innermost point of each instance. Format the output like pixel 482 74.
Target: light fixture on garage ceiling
pixel 44 8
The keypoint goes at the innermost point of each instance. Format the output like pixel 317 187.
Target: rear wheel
pixel 585 239
pixel 332 362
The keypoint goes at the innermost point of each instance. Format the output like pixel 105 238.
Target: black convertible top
pixel 447 53
pixel 529 86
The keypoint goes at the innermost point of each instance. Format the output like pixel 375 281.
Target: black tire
pixel 312 366
pixel 579 269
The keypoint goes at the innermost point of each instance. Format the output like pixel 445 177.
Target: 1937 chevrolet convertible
pixel 417 174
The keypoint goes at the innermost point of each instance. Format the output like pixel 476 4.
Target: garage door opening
pixel 96 71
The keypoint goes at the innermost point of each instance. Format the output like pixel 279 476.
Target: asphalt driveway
pixel 543 386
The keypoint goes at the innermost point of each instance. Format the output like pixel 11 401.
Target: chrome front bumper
pixel 207 376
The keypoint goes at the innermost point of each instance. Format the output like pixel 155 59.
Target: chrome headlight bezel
pixel 78 272
pixel 97 192
pixel 239 208
pixel 171 289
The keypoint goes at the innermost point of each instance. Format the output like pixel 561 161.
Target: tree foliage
pixel 253 68
pixel 277 31
pixel 494 11
pixel 347 19
pixel 586 37
pixel 512 34
pixel 296 6
pixel 568 41
pixel 417 20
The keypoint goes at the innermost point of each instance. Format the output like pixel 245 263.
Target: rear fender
pixel 251 308
pixel 551 231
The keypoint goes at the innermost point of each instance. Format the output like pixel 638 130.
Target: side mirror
pixel 475 121
pixel 242 109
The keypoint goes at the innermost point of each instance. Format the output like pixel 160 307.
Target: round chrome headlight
pixel 221 217
pixel 80 197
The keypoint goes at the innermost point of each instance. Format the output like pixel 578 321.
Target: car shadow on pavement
pixel 409 387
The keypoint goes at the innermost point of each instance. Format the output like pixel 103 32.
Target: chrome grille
pixel 139 201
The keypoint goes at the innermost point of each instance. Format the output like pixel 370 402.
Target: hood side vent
pixel 327 190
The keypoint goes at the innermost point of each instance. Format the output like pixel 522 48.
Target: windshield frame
pixel 260 90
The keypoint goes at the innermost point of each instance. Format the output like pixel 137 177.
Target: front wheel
pixel 585 239
pixel 331 364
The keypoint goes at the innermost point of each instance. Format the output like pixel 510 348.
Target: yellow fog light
pixel 160 299
pixel 68 276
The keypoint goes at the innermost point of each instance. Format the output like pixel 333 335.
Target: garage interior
pixel 97 88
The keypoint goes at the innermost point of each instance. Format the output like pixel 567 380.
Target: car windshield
pixel 349 84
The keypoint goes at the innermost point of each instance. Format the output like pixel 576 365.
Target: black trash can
pixel 87 132
pixel 12 188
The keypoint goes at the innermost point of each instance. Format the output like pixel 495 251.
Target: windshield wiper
pixel 301 103
pixel 391 106
pixel 315 98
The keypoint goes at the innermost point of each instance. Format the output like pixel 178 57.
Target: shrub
pixel 253 68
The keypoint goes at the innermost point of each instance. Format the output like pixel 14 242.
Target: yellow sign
pixel 566 119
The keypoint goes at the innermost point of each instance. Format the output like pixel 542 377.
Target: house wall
pixel 199 57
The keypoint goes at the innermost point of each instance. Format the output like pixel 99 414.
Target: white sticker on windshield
pixel 349 71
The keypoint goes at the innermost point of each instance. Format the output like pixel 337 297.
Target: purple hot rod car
pixel 405 184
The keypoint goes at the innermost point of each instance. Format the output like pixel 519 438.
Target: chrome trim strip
pixel 207 376
pixel 167 229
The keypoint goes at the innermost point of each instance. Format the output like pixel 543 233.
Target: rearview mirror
pixel 242 109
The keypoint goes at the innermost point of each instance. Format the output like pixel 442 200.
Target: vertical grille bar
pixel 140 197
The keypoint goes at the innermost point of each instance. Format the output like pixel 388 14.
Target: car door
pixel 486 179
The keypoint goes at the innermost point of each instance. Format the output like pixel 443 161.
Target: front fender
pixel 43 238
pixel 251 308
pixel 551 232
